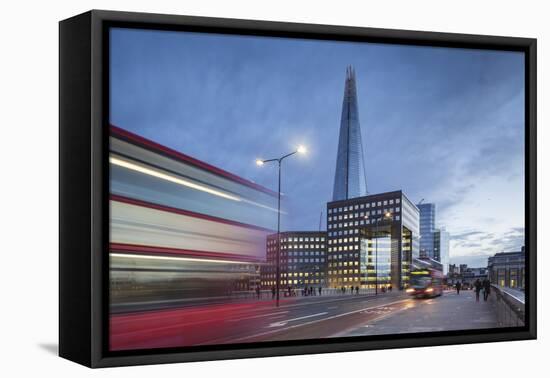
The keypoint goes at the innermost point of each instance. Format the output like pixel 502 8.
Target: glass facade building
pixel 371 240
pixel 349 176
pixel 441 247
pixel 427 229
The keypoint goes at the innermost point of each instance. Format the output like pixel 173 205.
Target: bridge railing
pixel 510 309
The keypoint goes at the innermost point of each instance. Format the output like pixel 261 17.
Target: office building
pixel 508 269
pixel 372 240
pixel 303 260
pixel 427 229
pixel 441 247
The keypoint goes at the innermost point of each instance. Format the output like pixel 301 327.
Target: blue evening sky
pixel 446 125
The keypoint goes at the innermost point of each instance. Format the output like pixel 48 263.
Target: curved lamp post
pixel 260 162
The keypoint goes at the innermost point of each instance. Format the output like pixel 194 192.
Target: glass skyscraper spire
pixel 350 176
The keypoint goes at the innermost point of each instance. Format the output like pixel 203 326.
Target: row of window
pixel 345 279
pixel 294 282
pixel 292 267
pixel 343 257
pixel 300 274
pixel 345 271
pixel 297 246
pixel 306 253
pixel 296 239
pixel 344 240
pixel 345 263
pixel 321 260
pixel 362 214
pixel 363 205
pixel 344 248
pixel 343 232
pixel 356 223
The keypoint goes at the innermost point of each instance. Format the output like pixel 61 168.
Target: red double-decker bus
pixel 426 283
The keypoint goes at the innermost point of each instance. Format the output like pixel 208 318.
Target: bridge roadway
pixel 299 318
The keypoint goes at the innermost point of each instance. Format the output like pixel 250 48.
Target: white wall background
pixel 28 189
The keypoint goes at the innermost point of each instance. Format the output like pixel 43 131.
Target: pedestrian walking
pixel 486 289
pixel 477 287
pixel 272 292
pixel 458 286
pixel 320 289
pixel 357 290
pixel 258 291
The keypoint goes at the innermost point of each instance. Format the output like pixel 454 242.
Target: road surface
pixel 299 318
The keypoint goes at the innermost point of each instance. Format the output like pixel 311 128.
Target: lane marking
pixel 256 316
pixel 313 321
pixel 285 322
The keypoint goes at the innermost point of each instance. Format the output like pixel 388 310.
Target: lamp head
pixel 259 162
pixel 302 150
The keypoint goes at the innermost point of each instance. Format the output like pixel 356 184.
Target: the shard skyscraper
pixel 350 176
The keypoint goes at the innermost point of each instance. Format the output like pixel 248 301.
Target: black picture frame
pixel 84 187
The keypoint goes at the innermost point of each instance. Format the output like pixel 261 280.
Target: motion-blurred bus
pixel 426 283
pixel 181 230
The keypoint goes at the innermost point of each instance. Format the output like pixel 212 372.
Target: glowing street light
pixel 260 162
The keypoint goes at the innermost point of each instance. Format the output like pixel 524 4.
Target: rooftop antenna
pixel 422 200
pixel 320 220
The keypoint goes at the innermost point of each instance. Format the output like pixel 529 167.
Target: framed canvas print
pixel 234 188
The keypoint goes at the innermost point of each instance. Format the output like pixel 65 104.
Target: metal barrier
pixel 510 310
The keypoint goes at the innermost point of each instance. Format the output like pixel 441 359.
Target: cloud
pixel 436 122
pixel 466 235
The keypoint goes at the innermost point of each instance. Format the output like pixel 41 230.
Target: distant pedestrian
pixel 458 286
pixel 486 289
pixel 273 292
pixel 477 287
pixel 343 290
pixel 258 291
pixel 320 289
pixel 389 288
pixel 356 290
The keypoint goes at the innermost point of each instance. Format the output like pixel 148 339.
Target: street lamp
pixel 387 215
pixel 260 162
